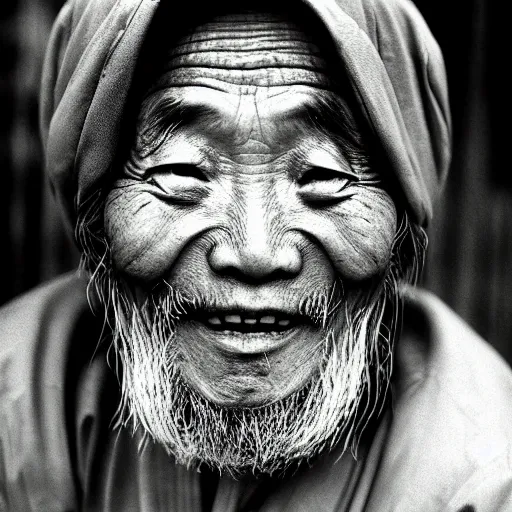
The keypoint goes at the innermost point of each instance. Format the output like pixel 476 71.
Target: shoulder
pixel 37 298
pixel 38 333
pixel 471 375
pixel 36 321
pixel 450 443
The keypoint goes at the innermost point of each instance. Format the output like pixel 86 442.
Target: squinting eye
pixel 323 186
pixel 184 170
pixel 179 183
pixel 324 174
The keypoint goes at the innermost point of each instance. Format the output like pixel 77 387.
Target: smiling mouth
pixel 262 322
pixel 246 331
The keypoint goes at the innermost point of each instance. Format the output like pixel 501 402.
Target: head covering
pixel 393 64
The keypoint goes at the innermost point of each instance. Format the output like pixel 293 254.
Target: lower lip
pixel 237 342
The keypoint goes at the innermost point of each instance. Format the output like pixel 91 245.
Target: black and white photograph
pixel 257 256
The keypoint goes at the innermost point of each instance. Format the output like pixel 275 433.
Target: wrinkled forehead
pixel 234 49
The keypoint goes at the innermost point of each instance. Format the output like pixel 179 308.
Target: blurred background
pixel 470 253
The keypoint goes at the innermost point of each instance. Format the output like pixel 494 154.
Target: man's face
pixel 243 194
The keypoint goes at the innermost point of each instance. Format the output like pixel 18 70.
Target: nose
pixel 256 251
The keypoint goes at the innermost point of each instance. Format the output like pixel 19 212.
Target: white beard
pixel 266 439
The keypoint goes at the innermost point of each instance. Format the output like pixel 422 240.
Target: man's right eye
pixel 179 183
pixel 186 171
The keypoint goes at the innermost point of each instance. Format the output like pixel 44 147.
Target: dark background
pixel 470 254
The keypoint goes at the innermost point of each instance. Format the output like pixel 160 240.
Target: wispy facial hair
pixel 350 387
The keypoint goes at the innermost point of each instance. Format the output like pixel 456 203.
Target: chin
pixel 248 358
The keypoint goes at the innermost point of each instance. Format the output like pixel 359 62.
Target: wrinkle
pixel 244 45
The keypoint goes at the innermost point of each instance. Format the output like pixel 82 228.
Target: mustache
pixel 178 303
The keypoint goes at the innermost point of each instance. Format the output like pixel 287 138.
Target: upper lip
pixel 249 311
pixel 247 307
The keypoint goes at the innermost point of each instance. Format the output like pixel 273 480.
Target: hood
pixel 393 63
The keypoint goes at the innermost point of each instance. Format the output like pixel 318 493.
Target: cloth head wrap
pixel 393 64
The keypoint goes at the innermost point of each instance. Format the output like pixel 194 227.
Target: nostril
pixel 220 259
pixel 250 266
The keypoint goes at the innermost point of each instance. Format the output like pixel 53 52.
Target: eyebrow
pixel 175 112
pixel 324 113
pixel 331 116
pixel 166 115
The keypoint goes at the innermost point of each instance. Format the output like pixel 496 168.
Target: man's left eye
pixel 320 184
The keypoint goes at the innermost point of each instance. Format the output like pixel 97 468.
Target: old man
pixel 249 185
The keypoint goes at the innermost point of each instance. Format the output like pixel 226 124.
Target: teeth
pixel 233 319
pixel 267 320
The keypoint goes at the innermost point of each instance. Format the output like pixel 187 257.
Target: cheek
pixel 358 233
pixel 145 234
